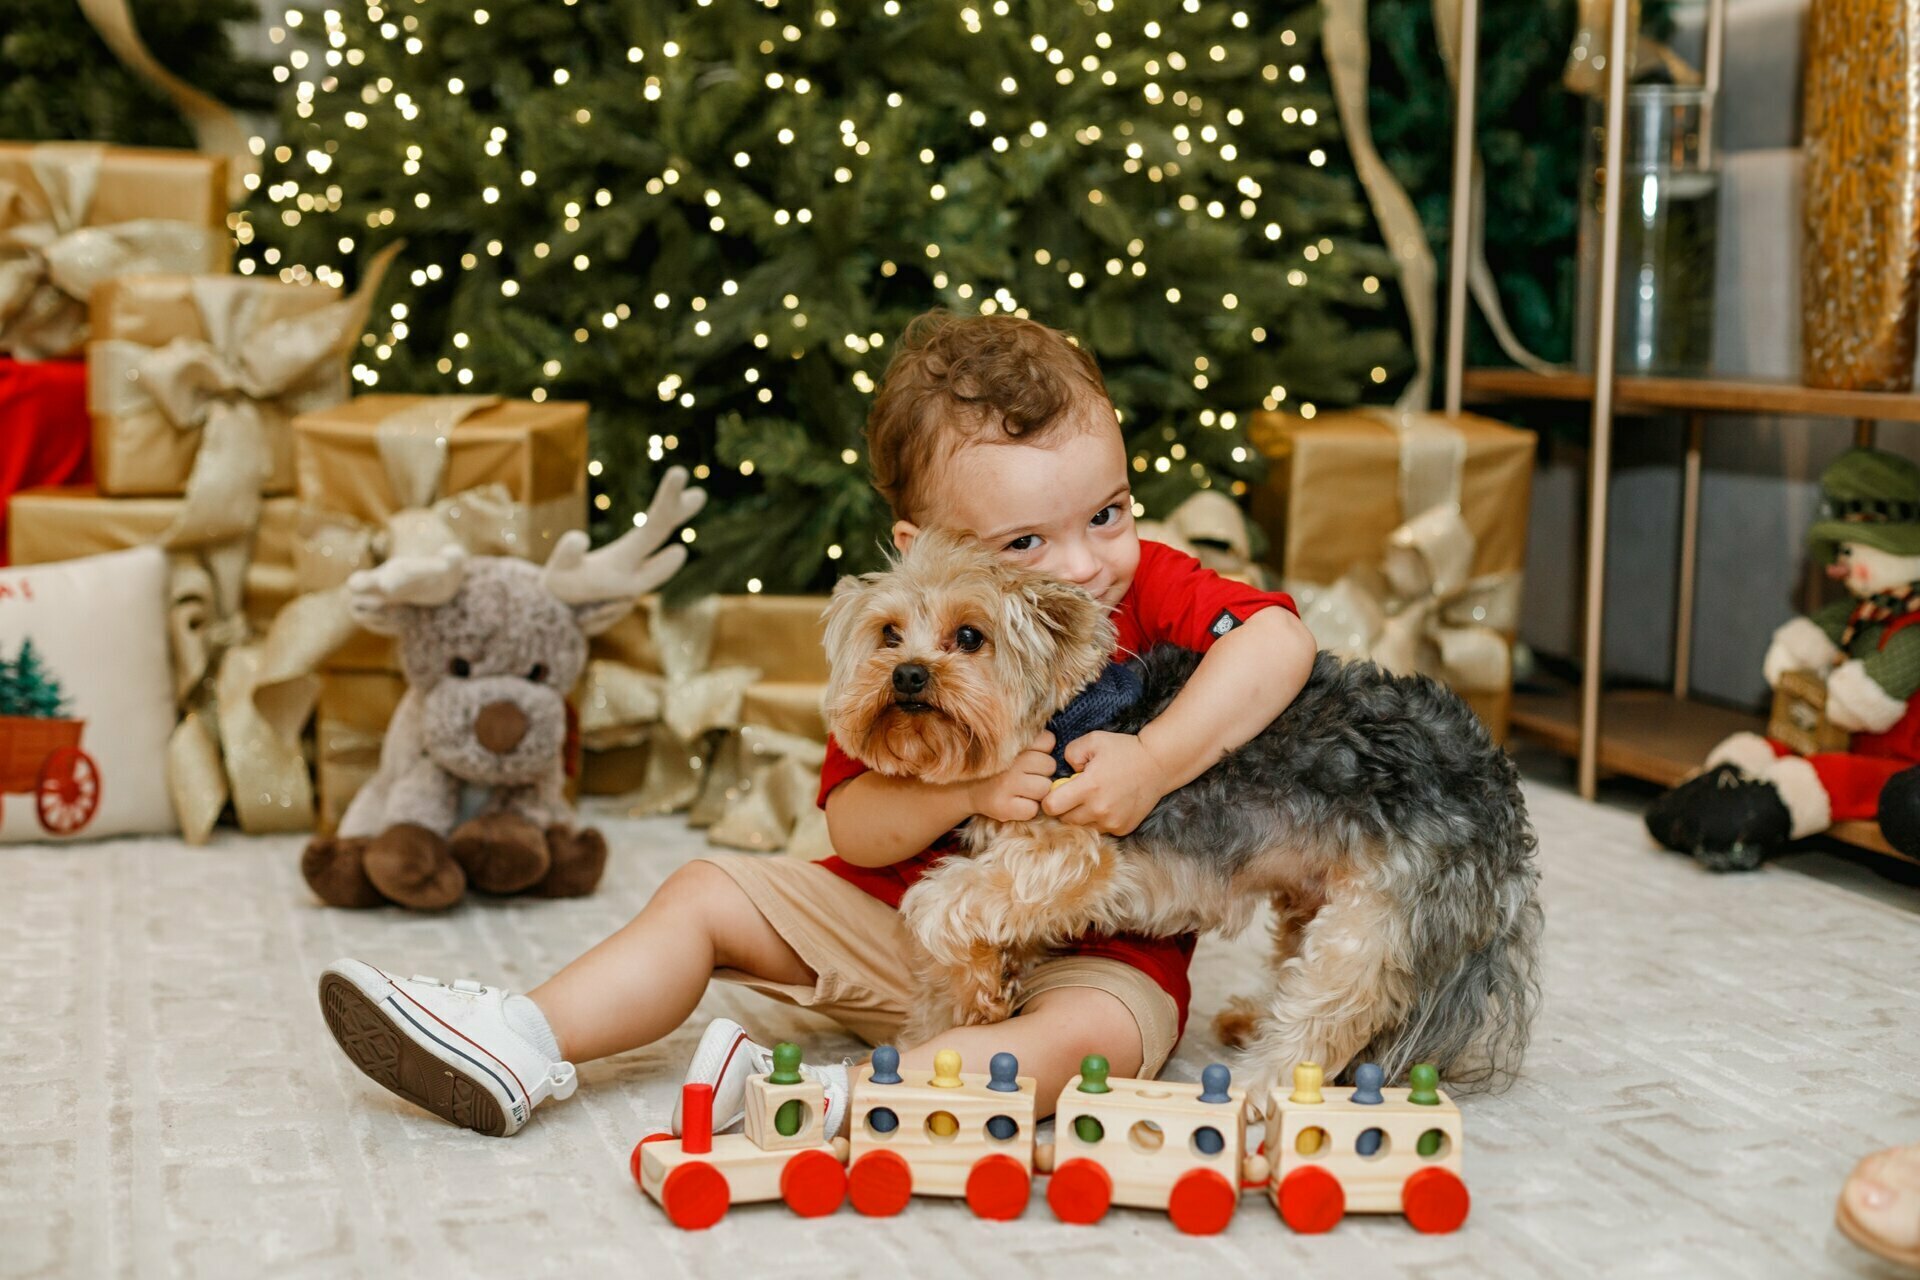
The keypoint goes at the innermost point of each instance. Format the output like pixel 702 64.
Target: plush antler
pixel 421 580
pixel 633 564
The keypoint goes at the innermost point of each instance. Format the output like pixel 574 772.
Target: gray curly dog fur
pixel 1367 760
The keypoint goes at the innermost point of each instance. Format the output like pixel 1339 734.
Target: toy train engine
pixel 941 1134
pixel 1366 1149
pixel 1150 1144
pixel 781 1156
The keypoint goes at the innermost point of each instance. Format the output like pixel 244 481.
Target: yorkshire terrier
pixel 1375 814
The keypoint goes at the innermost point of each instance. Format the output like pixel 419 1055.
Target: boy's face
pixel 1064 507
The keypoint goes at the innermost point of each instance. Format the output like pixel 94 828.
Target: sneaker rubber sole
pixel 368 1033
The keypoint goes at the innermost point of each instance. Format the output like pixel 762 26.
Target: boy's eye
pixel 1025 542
pixel 1106 515
pixel 890 636
pixel 969 639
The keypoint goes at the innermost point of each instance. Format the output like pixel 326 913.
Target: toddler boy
pixel 999 427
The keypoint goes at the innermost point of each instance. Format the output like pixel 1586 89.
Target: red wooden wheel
pixel 998 1187
pixel 1310 1200
pixel 695 1195
pixel 1202 1202
pixel 1434 1200
pixel 879 1184
pixel 813 1184
pixel 633 1161
pixel 1080 1191
pixel 68 791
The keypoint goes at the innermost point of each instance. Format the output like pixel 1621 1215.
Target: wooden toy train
pixel 1154 1144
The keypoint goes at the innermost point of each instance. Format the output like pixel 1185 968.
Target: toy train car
pixel 1152 1144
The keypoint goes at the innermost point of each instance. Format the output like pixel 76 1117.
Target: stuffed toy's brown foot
pixel 502 852
pixel 579 858
pixel 335 870
pixel 410 865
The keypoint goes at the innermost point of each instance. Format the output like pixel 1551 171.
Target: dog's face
pixel 947 665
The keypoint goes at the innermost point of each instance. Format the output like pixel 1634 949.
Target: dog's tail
pixel 1474 1022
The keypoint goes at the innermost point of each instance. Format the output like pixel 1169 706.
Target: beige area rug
pixel 1713 1056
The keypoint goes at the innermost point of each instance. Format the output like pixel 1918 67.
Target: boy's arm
pixel 876 821
pixel 1243 682
pixel 1248 678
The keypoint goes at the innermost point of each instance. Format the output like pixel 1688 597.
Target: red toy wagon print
pixel 42 758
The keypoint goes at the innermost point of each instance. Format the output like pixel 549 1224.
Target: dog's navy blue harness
pixel 1092 709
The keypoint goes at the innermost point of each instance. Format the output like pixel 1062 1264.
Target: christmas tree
pixel 28 688
pixel 58 79
pixel 710 220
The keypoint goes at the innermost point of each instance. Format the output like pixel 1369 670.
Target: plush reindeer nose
pixel 909 679
pixel 500 726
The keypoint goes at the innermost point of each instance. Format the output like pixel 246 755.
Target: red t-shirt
pixel 1175 600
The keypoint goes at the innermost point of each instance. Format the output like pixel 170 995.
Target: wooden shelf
pixel 1652 735
pixel 1711 395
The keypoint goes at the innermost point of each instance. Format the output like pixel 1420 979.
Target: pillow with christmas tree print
pixel 86 698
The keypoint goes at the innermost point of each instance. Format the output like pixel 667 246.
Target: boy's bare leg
pixel 643 981
pixel 1052 1033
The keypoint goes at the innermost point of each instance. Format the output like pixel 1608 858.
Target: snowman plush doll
pixel 1755 795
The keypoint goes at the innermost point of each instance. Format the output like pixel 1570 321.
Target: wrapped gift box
pixel 1333 499
pixel 359 463
pixel 66 523
pixel 262 327
pixel 99 212
pixel 44 434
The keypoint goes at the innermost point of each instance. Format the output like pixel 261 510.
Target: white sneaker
pixel 726 1057
pixel 447 1047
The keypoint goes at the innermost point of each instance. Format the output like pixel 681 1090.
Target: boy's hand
pixel 1118 783
pixel 1014 796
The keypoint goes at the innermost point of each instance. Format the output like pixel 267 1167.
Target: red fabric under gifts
pixel 45 434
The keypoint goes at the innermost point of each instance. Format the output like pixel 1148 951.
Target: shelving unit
pixel 1656 735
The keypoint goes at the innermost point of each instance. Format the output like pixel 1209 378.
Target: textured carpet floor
pixel 1713 1056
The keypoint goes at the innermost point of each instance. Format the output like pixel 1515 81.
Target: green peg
pixel 1093 1074
pixel 1429 1144
pixel 786 1121
pixel 1089 1129
pixel 786 1064
pixel 1425 1079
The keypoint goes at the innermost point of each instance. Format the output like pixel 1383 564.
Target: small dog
pixel 1375 814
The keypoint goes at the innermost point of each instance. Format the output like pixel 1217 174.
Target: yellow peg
pixel 946 1069
pixel 1061 782
pixel 1307 1078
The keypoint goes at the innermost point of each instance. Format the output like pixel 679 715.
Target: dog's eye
pixel 969 639
pixel 460 668
pixel 890 636
pixel 539 673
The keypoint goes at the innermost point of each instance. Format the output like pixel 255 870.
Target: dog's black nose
pixel 909 679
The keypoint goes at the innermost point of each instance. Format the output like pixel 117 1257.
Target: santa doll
pixel 1755 795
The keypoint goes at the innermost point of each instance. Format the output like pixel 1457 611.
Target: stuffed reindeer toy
pixel 471 785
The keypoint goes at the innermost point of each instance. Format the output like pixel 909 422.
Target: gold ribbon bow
pixel 1419 610
pixel 50 260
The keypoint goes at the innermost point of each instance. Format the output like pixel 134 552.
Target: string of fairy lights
pixel 313 60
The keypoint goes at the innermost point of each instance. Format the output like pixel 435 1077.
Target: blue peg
pixel 1367 1079
pixel 886 1065
pixel 1213 1085
pixel 1002 1072
pixel 1002 1127
pixel 1207 1141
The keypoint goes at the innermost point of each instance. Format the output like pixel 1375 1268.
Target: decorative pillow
pixel 86 699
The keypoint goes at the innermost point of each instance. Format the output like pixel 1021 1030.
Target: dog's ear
pixel 1076 626
pixel 841 608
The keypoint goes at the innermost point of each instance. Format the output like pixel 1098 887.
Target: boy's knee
pixel 701 887
pixel 1092 1020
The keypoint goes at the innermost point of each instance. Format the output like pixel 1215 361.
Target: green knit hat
pixel 1870 496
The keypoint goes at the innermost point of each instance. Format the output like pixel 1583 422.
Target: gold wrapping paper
pixel 536 453
pixel 137 449
pixel 70 522
pixel 1860 251
pixel 350 723
pixel 75 214
pixel 1331 499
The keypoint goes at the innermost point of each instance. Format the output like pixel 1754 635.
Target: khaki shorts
pixel 856 946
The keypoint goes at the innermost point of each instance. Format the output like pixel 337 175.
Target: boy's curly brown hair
pixel 970 376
